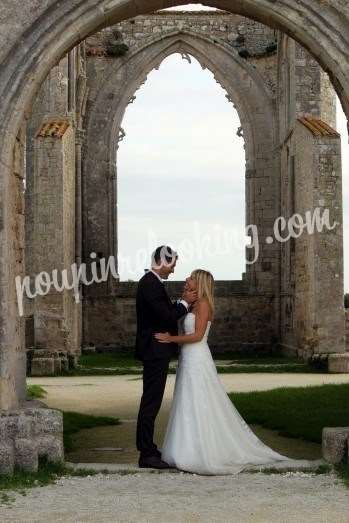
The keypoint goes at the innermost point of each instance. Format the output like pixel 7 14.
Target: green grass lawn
pixel 73 421
pixel 275 369
pixel 123 363
pixel 297 412
pixel 108 360
pixel 35 392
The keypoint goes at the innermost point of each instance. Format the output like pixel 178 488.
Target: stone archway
pixel 245 87
pixel 113 84
pixel 48 31
pixel 34 37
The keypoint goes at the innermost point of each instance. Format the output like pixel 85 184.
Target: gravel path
pixel 144 497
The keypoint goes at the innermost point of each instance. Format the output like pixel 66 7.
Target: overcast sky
pixel 181 170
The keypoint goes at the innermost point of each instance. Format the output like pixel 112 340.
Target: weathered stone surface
pixel 43 367
pixel 51 447
pixel 111 82
pixel 243 319
pixel 26 454
pixel 27 434
pixel 7 458
pixel 88 349
pixel 47 421
pixel 335 444
pixel 338 363
pixel 300 88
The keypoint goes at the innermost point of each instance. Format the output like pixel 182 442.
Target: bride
pixel 205 433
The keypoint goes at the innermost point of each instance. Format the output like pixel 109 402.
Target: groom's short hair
pixel 163 255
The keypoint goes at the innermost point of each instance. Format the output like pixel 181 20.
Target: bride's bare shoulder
pixel 203 307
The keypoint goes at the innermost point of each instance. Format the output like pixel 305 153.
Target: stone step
pixel 301 465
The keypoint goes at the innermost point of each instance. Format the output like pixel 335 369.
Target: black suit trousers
pixel 154 380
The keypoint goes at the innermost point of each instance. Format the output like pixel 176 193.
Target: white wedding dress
pixel 205 433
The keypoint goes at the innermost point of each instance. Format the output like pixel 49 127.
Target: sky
pixel 181 175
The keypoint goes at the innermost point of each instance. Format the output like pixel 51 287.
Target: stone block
pixel 7 459
pixel 26 434
pixel 338 363
pixel 47 421
pixel 43 366
pixel 335 444
pixel 44 353
pixel 26 454
pixel 65 364
pixel 57 365
pixel 73 360
pixel 24 426
pixel 51 447
pixel 89 349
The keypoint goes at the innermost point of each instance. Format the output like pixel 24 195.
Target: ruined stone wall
pixel 54 326
pixel 312 279
pixel 253 41
pixel 287 72
pixel 303 89
pixel 315 95
pixel 243 321
pixel 346 311
pixel 53 322
pixel 288 75
pixel 242 56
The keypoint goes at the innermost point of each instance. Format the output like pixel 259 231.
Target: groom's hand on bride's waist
pixel 163 337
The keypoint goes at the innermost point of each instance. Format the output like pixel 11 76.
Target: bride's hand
pixel 163 337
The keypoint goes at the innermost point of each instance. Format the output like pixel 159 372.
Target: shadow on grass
pixel 296 412
pixel 74 422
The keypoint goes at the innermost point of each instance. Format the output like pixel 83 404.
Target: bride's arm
pixel 201 320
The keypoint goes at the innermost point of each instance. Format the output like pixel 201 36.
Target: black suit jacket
pixel 155 313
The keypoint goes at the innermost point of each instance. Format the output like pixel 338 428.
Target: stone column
pixel 319 323
pixel 53 246
pixel 12 349
pixel 79 140
pixel 26 432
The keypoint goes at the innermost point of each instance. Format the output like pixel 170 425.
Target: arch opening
pixel 191 166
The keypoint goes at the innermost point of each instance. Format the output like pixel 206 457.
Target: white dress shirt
pixel 183 302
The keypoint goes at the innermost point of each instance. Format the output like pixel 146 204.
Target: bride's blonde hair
pixel 205 285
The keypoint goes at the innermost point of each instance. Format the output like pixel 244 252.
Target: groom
pixel 156 313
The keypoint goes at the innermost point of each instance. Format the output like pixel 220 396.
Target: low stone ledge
pixel 299 465
pixel 26 435
pixel 45 362
pixel 335 444
pixel 338 363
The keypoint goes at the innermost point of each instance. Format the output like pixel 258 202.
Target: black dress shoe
pixel 154 452
pixel 153 462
